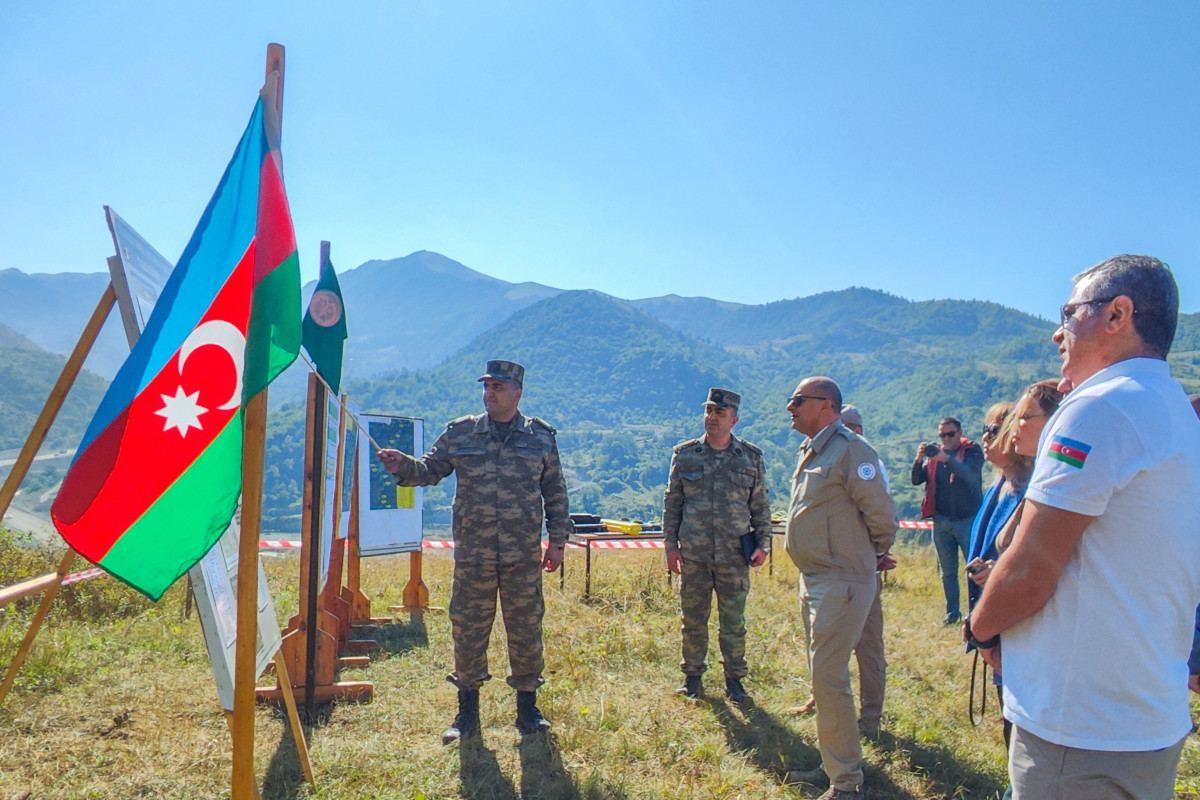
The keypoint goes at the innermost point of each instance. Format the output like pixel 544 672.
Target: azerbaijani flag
pixel 1069 451
pixel 157 477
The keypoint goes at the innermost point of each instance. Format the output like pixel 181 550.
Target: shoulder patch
pixel 541 423
pixel 866 471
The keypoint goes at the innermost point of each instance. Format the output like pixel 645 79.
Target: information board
pixel 214 584
pixel 389 516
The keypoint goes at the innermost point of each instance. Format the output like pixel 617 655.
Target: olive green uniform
pixel 506 476
pixel 713 497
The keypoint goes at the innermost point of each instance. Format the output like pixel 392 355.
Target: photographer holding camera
pixel 953 477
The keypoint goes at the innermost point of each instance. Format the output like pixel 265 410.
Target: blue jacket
pixel 994 513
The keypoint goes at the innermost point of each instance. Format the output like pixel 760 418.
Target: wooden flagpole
pixel 244 787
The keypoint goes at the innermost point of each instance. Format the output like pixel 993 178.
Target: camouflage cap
pixel 850 415
pixel 504 371
pixel 723 398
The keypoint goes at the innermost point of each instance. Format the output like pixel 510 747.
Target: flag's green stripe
pixel 179 528
pixel 1066 459
pixel 273 339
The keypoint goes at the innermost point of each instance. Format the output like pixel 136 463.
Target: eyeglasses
pixel 798 399
pixel 1068 310
pixel 991 430
pixel 949 435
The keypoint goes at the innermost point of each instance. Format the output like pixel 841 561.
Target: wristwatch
pixel 986 644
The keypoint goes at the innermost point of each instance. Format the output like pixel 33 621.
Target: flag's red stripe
pixel 134 460
pixel 1069 451
pixel 275 239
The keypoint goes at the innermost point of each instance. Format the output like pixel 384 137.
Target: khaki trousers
pixel 1040 769
pixel 837 611
pixel 872 664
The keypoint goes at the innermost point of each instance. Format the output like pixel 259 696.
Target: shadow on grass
pixel 775 748
pixel 480 774
pixel 284 776
pixel 946 776
pixel 542 772
pixel 543 776
pixel 771 745
pixel 396 638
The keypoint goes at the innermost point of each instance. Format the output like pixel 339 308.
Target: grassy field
pixel 118 701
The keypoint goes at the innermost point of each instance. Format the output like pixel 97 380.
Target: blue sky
pixel 749 151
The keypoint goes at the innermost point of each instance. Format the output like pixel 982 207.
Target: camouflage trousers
pixel 473 612
pixel 697 583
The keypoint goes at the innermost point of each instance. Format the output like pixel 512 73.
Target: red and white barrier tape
pixel 917 524
pixel 278 544
pixel 83 575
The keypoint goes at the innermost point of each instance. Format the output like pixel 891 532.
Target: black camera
pixel 932 450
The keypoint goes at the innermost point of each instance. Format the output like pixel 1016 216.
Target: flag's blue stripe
pixel 224 232
pixel 1073 444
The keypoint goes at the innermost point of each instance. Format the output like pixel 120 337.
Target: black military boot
pixel 529 718
pixel 735 691
pixel 692 687
pixel 466 723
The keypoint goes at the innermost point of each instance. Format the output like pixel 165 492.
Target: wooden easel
pixel 311 637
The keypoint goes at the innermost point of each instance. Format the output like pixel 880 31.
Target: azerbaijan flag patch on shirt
pixel 1069 451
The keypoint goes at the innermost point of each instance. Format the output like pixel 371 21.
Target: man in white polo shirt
pixel 1096 596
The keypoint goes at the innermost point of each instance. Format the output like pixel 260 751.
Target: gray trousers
pixel 1039 769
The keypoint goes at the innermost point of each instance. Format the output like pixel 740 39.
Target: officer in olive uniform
pixel 841 522
pixel 508 472
pixel 716 492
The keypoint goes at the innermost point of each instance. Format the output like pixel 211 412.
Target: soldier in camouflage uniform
pixel 716 492
pixel 508 472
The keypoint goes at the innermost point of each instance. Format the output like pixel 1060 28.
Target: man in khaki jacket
pixel 841 522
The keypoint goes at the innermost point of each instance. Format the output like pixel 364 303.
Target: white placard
pixel 214 584
pixel 329 484
pixel 389 516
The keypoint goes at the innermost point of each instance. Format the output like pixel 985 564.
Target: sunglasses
pixel 949 435
pixel 1068 310
pixel 991 430
pixel 798 399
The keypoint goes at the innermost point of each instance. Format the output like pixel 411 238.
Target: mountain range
pixel 622 380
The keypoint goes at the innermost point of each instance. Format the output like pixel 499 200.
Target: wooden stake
pixel 64 567
pixel 289 700
pixel 66 379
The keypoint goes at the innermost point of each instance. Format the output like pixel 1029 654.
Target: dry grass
pixel 124 707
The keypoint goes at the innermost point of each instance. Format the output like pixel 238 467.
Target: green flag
pixel 324 328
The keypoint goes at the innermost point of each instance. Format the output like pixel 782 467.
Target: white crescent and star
pixel 182 411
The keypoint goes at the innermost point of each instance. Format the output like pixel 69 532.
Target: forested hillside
pixel 622 386
pixel 622 380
